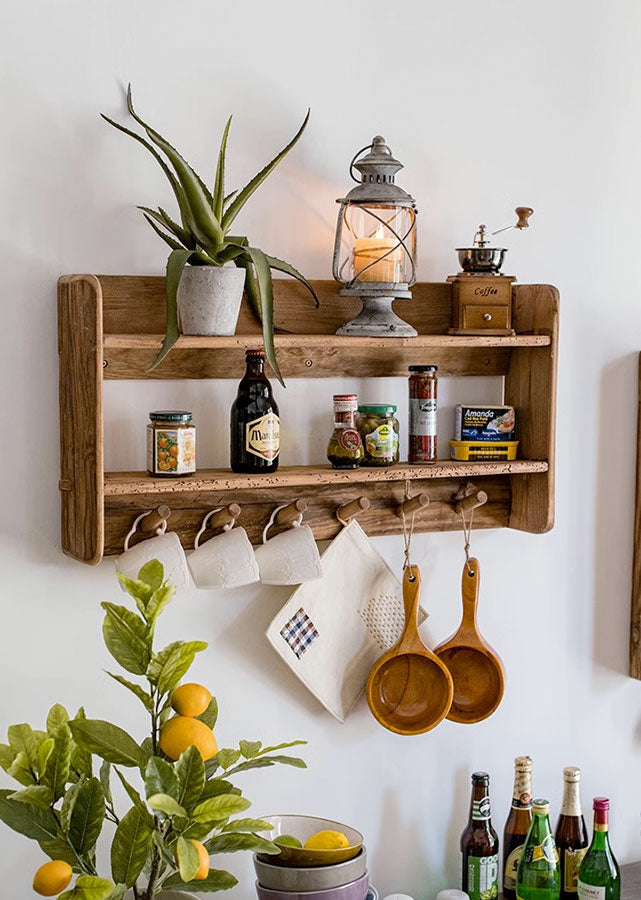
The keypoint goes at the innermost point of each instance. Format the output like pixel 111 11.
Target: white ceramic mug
pixel 224 561
pixel 166 548
pixel 290 557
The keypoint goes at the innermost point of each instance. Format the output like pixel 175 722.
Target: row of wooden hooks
pixel 467 499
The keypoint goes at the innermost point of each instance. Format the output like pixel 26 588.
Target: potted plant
pixel 204 290
pixel 187 808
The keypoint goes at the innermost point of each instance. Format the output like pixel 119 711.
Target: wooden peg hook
pixel 352 508
pixel 478 498
pixel 155 519
pixel 413 505
pixel 292 511
pixel 224 516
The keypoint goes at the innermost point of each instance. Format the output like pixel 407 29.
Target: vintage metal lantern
pixel 375 248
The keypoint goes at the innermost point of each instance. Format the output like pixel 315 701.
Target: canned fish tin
pixel 378 428
pixel 485 423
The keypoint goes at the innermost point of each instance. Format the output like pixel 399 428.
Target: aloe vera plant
pixel 202 238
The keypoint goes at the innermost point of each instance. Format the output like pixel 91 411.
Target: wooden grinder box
pixel 481 304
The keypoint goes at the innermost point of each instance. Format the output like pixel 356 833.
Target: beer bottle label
pixel 572 860
pixel 511 868
pixel 481 810
pixel 483 877
pixel 262 436
pixel 591 891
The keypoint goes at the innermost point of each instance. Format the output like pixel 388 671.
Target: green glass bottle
pixel 539 876
pixel 599 876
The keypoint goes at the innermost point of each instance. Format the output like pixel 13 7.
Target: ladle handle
pixel 470 585
pixel 411 601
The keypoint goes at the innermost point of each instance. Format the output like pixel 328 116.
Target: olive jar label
pixel 262 436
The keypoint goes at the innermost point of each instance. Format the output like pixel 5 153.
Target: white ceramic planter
pixel 209 299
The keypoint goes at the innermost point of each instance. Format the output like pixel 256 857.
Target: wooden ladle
pixel 409 689
pixel 477 670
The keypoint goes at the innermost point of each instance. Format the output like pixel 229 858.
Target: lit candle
pixel 373 250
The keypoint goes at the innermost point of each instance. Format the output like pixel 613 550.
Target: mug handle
pixel 272 519
pixel 161 530
pixel 205 522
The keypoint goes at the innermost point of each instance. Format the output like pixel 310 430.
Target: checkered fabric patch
pixel 299 632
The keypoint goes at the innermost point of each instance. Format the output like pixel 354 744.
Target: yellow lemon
pixel 190 699
pixel 52 878
pixel 203 858
pixel 327 840
pixel 181 732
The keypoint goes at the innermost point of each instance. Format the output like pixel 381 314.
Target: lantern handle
pixel 354 158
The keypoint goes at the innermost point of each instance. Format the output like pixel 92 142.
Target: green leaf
pixel 243 196
pixel 173 662
pixel 140 591
pixel 68 803
pixel 91 887
pixel 160 778
pixel 132 793
pixel 210 716
pixel 59 848
pixel 44 752
pixel 218 200
pixel 215 881
pixel 159 600
pixel 175 245
pixel 58 716
pixel 217 786
pixel 249 749
pixel 105 780
pixel 107 741
pixel 131 845
pixel 227 757
pixel 23 739
pixel 284 746
pixel 263 762
pixel 36 795
pixel 136 689
pixel 56 774
pixel 188 859
pixel 127 637
pixel 21 770
pixel 281 266
pixel 165 804
pixel 87 816
pixel 218 808
pixel 266 296
pixel 152 574
pixel 32 822
pixel 184 238
pixel 251 285
pixel 233 842
pixel 247 825
pixel 7 756
pixel 177 261
pixel 190 771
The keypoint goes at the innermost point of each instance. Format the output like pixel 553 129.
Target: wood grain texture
pixel 530 386
pixel 635 612
pixel 80 395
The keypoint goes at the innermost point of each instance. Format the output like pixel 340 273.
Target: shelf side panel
pixel 530 386
pixel 81 431
pixel 635 612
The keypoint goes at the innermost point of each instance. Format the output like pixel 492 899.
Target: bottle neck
pixel 255 367
pixel 522 793
pixel 571 805
pixel 480 807
pixel 600 839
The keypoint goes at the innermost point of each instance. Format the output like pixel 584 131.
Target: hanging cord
pixel 467 534
pixel 407 535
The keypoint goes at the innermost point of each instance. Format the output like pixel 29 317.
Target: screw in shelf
pixel 309 363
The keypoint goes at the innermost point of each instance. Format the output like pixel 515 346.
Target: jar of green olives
pixel 345 448
pixel 378 427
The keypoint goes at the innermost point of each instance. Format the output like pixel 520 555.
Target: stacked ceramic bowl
pixel 305 874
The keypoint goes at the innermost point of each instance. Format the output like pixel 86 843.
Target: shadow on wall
pixel 410 863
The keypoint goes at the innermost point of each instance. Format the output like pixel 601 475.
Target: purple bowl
pixel 355 890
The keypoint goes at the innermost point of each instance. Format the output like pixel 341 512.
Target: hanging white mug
pixel 226 560
pixel 166 548
pixel 290 557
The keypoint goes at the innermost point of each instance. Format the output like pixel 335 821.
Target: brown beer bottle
pixel 480 844
pixel 517 824
pixel 571 833
pixel 255 426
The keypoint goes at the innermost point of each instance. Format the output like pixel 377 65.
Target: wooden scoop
pixel 477 670
pixel 409 690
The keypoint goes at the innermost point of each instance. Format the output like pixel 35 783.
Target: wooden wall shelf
pixel 110 327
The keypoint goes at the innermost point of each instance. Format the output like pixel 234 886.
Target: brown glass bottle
pixel 480 844
pixel 517 824
pixel 571 834
pixel 255 426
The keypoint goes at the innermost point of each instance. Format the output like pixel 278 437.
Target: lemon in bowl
pixel 321 842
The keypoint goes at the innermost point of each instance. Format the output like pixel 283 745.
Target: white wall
pixel 489 105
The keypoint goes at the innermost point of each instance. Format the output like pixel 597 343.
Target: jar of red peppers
pixel 423 385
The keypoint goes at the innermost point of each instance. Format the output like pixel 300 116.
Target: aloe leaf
pixel 219 186
pixel 175 264
pixel 251 285
pixel 229 198
pixel 163 234
pixel 266 295
pixel 243 196
pixel 204 224
pixel 282 266
pixel 183 236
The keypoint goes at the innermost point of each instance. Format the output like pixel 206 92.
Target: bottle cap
pixel 171 415
pixel 451 894
pixel 572 774
pixel 260 353
pixel 481 777
pixel 601 804
pixel 523 762
pixel 378 409
pixel 340 397
pixel 541 807
pixel 423 368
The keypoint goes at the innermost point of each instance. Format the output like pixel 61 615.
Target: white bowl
pixel 310 878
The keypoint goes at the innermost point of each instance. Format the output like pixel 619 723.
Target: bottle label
pixel 171 451
pixel 349 439
pixel 382 442
pixel 483 877
pixel 481 810
pixel 547 850
pixel 571 862
pixel 511 868
pixel 262 436
pixel 522 793
pixel 422 417
pixel 591 891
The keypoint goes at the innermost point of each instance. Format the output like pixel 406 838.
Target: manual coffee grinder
pixel 481 295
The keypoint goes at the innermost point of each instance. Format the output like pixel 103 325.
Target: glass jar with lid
pixel 379 428
pixel 345 448
pixel 171 443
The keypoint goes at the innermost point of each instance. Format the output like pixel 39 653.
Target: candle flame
pixel 379 232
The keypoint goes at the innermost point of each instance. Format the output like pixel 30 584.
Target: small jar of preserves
pixel 171 443
pixel 345 448
pixel 378 427
pixel 423 387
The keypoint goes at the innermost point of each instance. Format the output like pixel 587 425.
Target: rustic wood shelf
pixel 110 327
